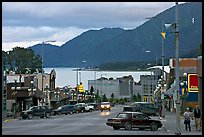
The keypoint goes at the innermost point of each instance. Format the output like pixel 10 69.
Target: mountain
pixel 118 45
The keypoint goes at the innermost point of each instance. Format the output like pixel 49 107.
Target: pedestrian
pixel 187 119
pixel 197 115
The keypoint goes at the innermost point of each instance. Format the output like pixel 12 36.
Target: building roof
pixel 166 68
pixel 184 62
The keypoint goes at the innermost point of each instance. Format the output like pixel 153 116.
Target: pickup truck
pixel 40 111
pixel 144 107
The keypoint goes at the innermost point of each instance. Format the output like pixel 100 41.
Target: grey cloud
pixel 80 14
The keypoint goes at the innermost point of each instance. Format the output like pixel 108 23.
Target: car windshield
pixel 105 103
pixel 31 108
pixel 121 115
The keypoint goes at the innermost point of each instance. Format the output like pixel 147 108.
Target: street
pixel 89 123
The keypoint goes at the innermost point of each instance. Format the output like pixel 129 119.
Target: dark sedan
pixel 66 109
pixel 129 120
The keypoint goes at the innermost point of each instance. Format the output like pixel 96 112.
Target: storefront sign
pixel 192 83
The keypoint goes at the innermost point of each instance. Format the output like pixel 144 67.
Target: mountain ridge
pixel 108 45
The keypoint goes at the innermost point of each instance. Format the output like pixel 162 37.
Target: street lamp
pixel 161 86
pixel 184 95
pixel 44 42
pixel 101 82
pixel 176 28
pixel 14 94
pixel 32 91
pixel 57 95
pixel 46 92
pixel 93 96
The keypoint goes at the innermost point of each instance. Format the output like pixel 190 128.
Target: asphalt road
pixel 89 123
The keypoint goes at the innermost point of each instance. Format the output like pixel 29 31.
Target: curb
pixel 164 127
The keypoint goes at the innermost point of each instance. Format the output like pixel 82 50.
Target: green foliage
pixel 104 98
pixel 20 60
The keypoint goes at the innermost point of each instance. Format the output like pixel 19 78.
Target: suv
pixel 105 106
pixel 40 111
pixel 144 107
pixel 66 109
pixel 88 108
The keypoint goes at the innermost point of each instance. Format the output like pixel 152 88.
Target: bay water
pixel 68 76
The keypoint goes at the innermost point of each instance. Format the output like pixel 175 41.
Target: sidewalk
pixel 169 122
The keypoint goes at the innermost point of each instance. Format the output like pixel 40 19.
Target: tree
pixel 20 60
pixel 112 95
pixel 104 98
pixel 92 90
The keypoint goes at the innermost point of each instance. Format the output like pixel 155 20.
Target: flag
pixel 163 34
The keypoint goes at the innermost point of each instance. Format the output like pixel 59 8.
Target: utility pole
pixel 178 131
pixel 162 85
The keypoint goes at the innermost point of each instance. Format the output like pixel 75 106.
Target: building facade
pixel 124 87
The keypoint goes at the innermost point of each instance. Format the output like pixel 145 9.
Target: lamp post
pixel 185 94
pixel 46 92
pixel 57 96
pixel 101 82
pixel 14 94
pixel 77 84
pixel 178 131
pixel 4 84
pixel 93 96
pixel 32 91
pixel 176 32
pixel 162 84
pixel 44 42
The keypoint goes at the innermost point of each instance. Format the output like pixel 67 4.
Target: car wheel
pixel 101 110
pixel 128 126
pixel 70 112
pixel 59 113
pixel 154 126
pixel 30 116
pixel 82 111
pixel 47 115
pixel 116 128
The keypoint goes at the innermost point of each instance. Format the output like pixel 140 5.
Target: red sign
pixel 192 83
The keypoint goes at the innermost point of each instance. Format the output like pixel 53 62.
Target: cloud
pixel 79 14
pixel 28 36
pixel 62 21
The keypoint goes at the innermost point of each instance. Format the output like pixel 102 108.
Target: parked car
pixel 9 114
pixel 129 120
pixel 65 109
pixel 105 106
pixel 80 107
pixel 95 105
pixel 40 111
pixel 88 107
pixel 144 107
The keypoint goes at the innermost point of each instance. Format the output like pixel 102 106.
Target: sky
pixel 25 24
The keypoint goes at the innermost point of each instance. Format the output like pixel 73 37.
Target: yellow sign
pixel 81 88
